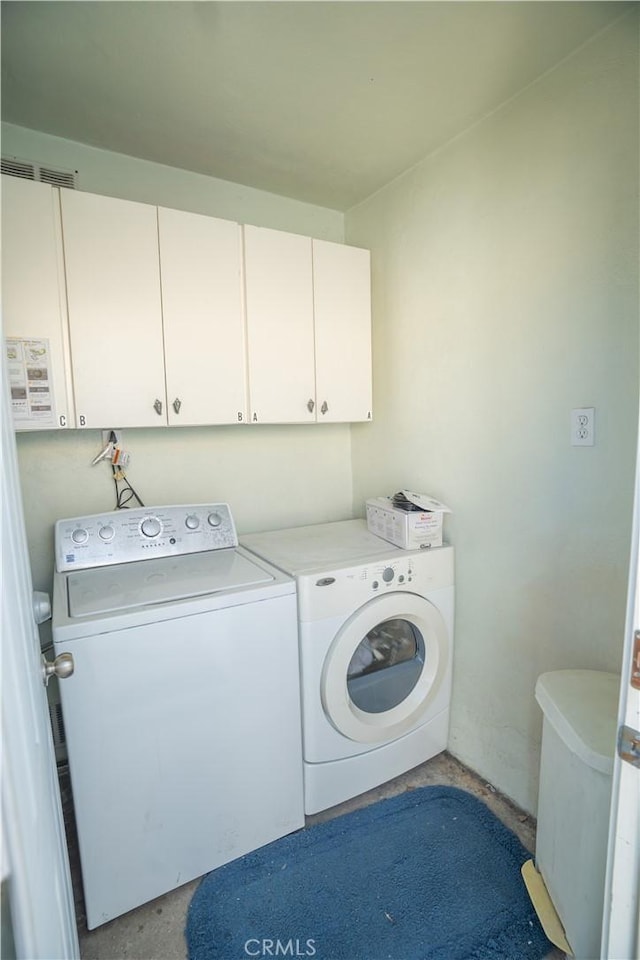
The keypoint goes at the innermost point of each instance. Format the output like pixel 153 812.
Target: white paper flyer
pixel 30 381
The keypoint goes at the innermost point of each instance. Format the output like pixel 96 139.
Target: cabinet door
pixel 279 294
pixel 342 305
pixel 34 306
pixel 115 318
pixel 201 271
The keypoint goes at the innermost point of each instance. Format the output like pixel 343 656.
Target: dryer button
pixel 375 584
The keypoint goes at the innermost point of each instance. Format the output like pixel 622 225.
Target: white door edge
pixel 35 860
pixel 621 919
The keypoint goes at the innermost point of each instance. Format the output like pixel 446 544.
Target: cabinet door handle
pixel 310 405
pixel 177 403
pixel 157 406
pixel 324 407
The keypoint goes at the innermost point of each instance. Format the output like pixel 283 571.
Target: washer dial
pixel 151 527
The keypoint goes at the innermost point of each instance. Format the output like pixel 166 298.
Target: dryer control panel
pixel 342 590
pixel 123 536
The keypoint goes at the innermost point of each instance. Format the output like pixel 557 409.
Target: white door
pixel 342 313
pixel 279 292
pixel 621 926
pixel 34 305
pixel 203 318
pixel 115 316
pixel 35 863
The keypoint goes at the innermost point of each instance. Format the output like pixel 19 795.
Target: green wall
pixel 505 285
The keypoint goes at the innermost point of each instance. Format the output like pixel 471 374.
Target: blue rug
pixel 427 875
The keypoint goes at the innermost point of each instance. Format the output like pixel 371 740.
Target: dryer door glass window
pixel 386 666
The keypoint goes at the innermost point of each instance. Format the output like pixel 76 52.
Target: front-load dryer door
pixel 385 668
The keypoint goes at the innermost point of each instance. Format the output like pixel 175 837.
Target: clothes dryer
pixel 375 628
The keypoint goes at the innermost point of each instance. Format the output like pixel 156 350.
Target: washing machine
pixel 182 712
pixel 375 628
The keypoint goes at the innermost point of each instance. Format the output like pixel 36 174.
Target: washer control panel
pixel 123 536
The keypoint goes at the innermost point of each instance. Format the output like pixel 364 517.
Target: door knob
pixel 62 667
pixel 41 606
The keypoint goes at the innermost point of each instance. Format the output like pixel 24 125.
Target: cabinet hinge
pixel 629 745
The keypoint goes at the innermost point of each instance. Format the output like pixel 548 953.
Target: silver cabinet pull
pixel 310 405
pixel 324 407
pixel 62 667
pixel 177 403
pixel 157 406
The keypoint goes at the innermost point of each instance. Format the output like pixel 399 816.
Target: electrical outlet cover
pixel 583 427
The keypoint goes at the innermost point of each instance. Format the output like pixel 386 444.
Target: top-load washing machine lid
pixel 300 550
pixel 145 582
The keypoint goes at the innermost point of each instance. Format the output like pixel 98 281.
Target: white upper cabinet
pixel 279 308
pixel 202 306
pixel 150 317
pixel 115 317
pixel 342 310
pixel 34 306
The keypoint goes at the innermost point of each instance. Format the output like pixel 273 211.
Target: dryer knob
pixel 192 522
pixel 388 574
pixel 214 519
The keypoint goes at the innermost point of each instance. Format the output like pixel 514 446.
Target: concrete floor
pixel 155 931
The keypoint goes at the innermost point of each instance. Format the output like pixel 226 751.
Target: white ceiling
pixel 320 101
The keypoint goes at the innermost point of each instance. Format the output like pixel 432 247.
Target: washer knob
pixel 388 574
pixel 192 522
pixel 214 519
pixel 151 527
pixel 80 535
pixel 106 533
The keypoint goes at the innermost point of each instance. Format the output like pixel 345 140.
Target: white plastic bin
pixel 576 765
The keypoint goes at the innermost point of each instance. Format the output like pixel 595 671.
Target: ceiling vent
pixel 34 171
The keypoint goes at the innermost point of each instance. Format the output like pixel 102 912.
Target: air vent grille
pixel 33 171
pixel 58 178
pixel 18 168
